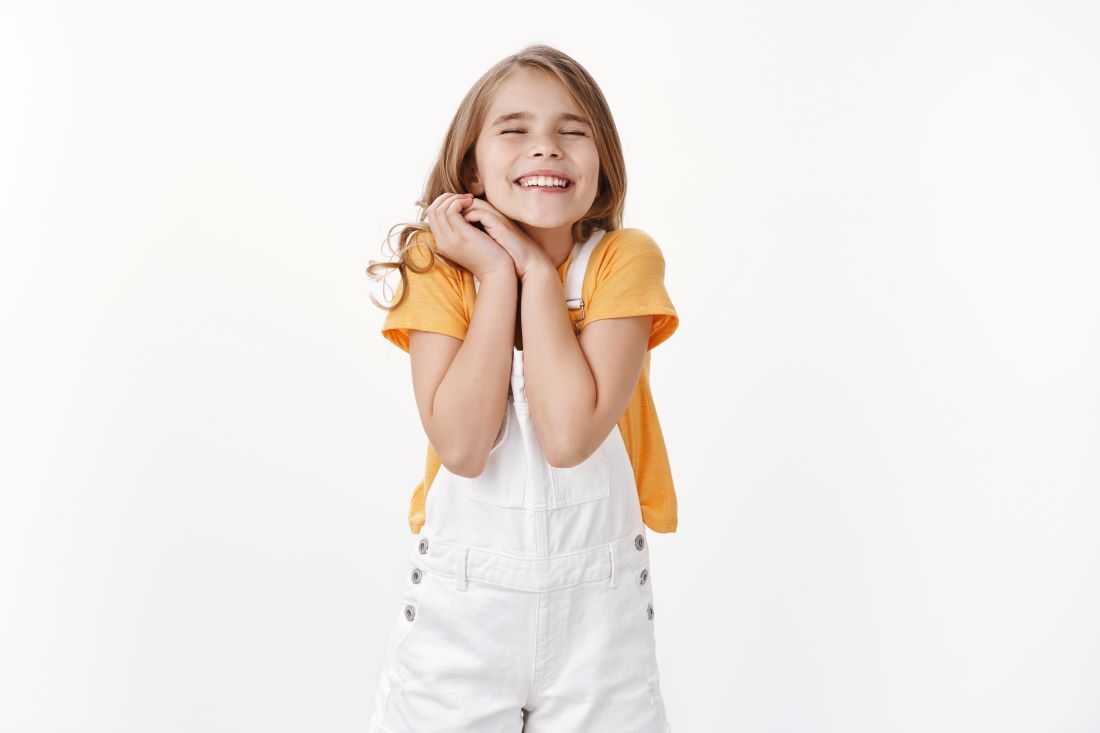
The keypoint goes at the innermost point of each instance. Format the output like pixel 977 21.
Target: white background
pixel 882 406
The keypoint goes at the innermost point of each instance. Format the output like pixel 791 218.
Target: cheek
pixel 593 184
pixel 492 167
pixel 592 169
pixel 497 181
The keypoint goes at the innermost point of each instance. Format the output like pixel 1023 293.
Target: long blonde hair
pixel 456 158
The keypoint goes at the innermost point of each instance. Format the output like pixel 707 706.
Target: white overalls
pixel 529 601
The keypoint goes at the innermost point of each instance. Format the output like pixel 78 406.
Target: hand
pixel 458 240
pixel 524 251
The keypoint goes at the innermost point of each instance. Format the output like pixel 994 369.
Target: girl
pixel 528 313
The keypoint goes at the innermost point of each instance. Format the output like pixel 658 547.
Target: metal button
pixel 639 542
pixel 423 546
pixel 644 576
pixel 416 575
pixel 410 613
pixel 649 611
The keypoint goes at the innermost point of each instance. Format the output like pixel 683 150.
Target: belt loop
pixel 611 554
pixel 460 567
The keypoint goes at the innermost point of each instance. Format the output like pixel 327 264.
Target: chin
pixel 543 219
pixel 531 216
pixel 537 222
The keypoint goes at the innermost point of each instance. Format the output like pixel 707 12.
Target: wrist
pixel 503 271
pixel 539 268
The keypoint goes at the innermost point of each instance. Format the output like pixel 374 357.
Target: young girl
pixel 528 313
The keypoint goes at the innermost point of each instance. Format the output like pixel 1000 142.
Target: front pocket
pixel 588 480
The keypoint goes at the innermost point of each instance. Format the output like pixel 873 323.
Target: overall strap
pixel 574 276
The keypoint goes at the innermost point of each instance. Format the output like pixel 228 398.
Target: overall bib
pixel 529 601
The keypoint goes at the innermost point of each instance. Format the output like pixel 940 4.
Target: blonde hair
pixel 455 162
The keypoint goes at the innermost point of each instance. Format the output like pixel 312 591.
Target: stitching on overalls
pixel 460 567
pixel 611 552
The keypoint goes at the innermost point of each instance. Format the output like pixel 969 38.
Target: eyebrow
pixel 527 115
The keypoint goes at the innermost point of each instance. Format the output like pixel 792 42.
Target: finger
pixel 444 227
pixel 486 211
pixel 434 205
pixel 476 209
pixel 440 199
pixel 429 214
pixel 436 215
pixel 453 208
pixel 471 216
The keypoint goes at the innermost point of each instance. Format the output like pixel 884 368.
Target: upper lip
pixel 543 172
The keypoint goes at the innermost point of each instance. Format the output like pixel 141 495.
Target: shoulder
pixel 628 253
pixel 428 262
pixel 421 252
pixel 630 241
pixel 627 249
pixel 430 297
pixel 628 280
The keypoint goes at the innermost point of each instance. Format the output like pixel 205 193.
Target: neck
pixel 556 243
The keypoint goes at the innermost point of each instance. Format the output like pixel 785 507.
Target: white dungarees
pixel 529 601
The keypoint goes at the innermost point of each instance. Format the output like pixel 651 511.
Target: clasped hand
pixel 451 218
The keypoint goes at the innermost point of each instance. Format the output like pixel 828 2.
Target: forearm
pixel 471 398
pixel 560 387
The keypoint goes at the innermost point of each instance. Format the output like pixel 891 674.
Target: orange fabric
pixel 625 277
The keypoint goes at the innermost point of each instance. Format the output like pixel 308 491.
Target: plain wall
pixel 882 405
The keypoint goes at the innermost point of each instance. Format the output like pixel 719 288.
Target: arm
pixel 461 385
pixel 578 388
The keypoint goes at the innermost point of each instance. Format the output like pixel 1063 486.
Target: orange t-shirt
pixel 625 277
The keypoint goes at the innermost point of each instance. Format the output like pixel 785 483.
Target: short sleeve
pixel 434 300
pixel 630 281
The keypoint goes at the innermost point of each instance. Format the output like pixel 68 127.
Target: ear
pixel 473 183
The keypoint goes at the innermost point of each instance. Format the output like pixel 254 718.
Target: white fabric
pixel 530 613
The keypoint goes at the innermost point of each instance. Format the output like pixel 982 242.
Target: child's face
pixel 507 150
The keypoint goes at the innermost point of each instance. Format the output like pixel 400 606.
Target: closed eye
pixel 566 132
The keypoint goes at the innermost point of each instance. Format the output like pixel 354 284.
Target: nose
pixel 543 144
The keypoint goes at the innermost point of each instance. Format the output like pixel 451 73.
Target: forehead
pixel 535 92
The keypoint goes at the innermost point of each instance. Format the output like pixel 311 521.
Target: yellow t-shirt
pixel 625 277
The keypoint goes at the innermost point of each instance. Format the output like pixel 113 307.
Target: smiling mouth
pixel 545 189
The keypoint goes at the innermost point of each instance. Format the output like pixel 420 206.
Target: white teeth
pixel 543 181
